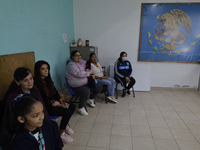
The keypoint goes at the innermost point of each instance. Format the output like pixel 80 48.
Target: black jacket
pixel 22 140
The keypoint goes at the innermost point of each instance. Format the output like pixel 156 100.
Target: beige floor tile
pixel 136 101
pixel 176 102
pixel 163 144
pixel 121 120
pixel 188 145
pixel 159 98
pixel 137 113
pixel 154 114
pixel 136 107
pixel 89 118
pixel 124 130
pixel 99 140
pixel 162 102
pixel 183 134
pixel 168 93
pixel 143 143
pixel 192 124
pixel 176 124
pixel 74 147
pixel 121 112
pixel 139 121
pixel 120 142
pixel 196 133
pixel 80 138
pixel 148 102
pixel 102 128
pixel 141 131
pixel 104 118
pixel 151 107
pixel 72 124
pixel 182 108
pixel 166 108
pixel 172 98
pixel 83 127
pixel 93 111
pixel 95 148
pixel 162 133
pixel 154 122
pixel 123 105
pixel 75 117
pixel 106 111
pixel 170 115
pixel 188 116
pixel 108 105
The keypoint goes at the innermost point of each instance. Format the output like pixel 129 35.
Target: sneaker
pixel 128 92
pixel 112 99
pixel 124 93
pixel 69 130
pixel 82 111
pixel 66 138
pixel 91 102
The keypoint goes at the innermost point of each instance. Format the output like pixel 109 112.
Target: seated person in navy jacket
pixel 123 72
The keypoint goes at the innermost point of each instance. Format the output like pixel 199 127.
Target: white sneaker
pixel 112 99
pixel 91 102
pixel 82 111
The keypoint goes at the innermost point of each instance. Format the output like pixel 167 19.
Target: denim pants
pixel 110 85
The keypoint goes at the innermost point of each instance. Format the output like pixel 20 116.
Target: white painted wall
pixel 113 26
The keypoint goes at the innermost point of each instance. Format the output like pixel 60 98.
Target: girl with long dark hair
pixel 54 104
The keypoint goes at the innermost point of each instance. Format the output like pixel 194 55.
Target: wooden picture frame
pixel 170 32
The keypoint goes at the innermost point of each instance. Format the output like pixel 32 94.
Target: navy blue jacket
pixel 123 69
pixel 22 140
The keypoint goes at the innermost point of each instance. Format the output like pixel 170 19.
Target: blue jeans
pixel 110 85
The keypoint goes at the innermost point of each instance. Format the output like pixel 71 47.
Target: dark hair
pixel 73 53
pixel 48 87
pixel 121 54
pixel 13 110
pixel 19 74
pixel 90 56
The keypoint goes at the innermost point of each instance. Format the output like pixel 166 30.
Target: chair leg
pixel 105 96
pixel 116 91
pixel 133 92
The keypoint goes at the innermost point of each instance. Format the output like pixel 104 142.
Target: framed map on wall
pixel 170 32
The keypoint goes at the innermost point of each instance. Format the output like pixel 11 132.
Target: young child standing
pixel 26 127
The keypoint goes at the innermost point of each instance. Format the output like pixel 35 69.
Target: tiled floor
pixel 155 120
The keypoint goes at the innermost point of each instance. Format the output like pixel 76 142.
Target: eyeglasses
pixel 93 57
pixel 77 55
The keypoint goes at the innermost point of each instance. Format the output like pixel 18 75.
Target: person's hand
pixel 90 71
pixel 61 101
pixel 66 105
pixel 128 80
pixel 62 105
pixel 105 77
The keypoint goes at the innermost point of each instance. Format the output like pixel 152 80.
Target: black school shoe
pixel 124 93
pixel 128 92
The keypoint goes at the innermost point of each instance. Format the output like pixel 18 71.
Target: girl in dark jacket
pixel 52 99
pixel 34 132
pixel 123 71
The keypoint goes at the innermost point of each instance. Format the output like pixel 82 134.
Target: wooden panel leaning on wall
pixel 8 65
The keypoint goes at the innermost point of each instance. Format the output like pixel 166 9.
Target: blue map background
pixel 147 50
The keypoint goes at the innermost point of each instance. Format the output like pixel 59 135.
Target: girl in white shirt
pixel 102 78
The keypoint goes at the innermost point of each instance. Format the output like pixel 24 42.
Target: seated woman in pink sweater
pixel 77 77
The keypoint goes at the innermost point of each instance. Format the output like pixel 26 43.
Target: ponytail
pixel 20 106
